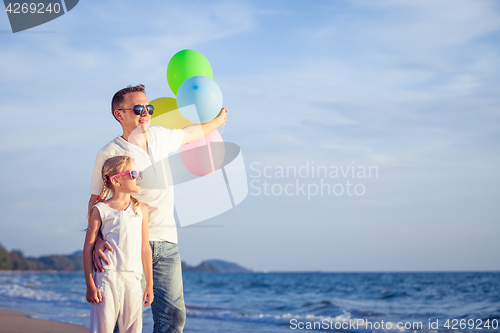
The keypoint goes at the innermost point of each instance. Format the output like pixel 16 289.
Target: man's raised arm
pixel 197 131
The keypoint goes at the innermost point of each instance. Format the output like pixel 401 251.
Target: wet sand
pixel 15 322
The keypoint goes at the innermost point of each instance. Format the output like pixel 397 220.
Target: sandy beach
pixel 15 322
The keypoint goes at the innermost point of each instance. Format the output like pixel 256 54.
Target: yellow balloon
pixel 163 105
pixel 167 114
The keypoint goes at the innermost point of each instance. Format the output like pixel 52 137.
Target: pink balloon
pixel 205 156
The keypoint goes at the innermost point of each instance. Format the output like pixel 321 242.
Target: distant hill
pixel 228 267
pixel 16 261
pixel 65 263
pixel 215 266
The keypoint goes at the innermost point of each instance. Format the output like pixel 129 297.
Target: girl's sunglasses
pixel 133 175
pixel 139 109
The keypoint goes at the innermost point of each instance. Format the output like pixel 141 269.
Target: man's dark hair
pixel 117 100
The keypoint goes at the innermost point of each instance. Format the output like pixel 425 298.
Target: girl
pixel 115 294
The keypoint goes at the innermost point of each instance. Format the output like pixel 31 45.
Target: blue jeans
pixel 169 311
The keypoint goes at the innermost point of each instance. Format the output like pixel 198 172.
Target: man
pixel 149 147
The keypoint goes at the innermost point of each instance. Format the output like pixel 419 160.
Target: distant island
pixel 215 266
pixel 16 261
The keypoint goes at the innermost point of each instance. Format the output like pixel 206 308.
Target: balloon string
pixel 210 154
pixel 221 129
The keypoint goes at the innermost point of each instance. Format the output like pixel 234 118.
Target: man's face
pixel 130 121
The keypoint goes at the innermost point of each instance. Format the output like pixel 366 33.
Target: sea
pixel 287 302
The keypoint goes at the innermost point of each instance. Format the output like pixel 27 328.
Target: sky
pixel 407 89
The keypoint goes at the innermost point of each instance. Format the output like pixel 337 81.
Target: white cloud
pixel 426 25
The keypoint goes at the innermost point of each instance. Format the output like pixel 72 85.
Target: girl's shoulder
pixel 107 209
pixel 112 205
pixel 101 204
pixel 100 207
pixel 96 212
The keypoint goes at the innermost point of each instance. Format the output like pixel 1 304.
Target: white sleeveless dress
pixel 120 283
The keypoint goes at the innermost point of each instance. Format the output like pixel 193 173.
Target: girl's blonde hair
pixel 113 166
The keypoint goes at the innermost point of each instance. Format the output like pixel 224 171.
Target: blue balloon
pixel 199 99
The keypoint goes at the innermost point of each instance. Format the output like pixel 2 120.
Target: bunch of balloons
pixel 199 100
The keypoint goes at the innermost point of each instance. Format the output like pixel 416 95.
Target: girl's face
pixel 127 184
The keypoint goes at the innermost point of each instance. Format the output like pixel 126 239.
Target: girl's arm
pixel 93 294
pixel 100 244
pixel 147 257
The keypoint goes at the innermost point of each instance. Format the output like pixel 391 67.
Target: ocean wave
pixel 386 294
pixel 258 284
pixel 283 319
pixel 366 313
pixel 340 323
pixel 30 292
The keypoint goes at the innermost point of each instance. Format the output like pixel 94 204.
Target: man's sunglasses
pixel 133 175
pixel 139 109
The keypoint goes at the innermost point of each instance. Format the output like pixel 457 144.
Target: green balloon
pixel 185 64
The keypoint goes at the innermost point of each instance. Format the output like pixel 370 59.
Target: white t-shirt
pixel 157 190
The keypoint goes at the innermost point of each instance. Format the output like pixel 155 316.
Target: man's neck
pixel 137 137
